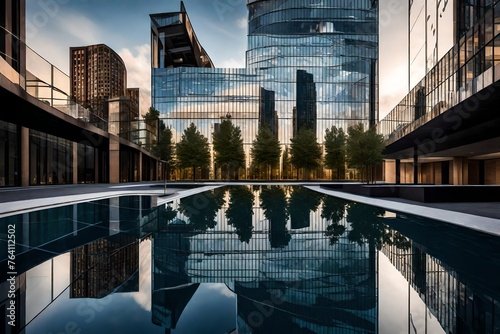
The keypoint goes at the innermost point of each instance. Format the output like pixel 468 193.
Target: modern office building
pixel 307 64
pixel 445 131
pixel 267 114
pixel 305 109
pixel 46 137
pixel 97 74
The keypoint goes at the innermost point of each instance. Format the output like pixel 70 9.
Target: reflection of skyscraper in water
pixel 104 266
pixel 304 291
pixel 305 110
pixel 171 287
pixel 267 113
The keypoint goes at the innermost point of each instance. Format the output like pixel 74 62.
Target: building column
pixel 75 162
pixel 415 165
pixel 25 157
pixel 114 159
pixel 432 178
pixel 481 172
pixel 157 165
pixel 398 171
pixel 460 171
pixel 97 156
pixel 140 167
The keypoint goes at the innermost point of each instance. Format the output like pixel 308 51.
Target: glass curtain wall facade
pixel 320 59
pixel 314 63
pixel 10 154
pixel 431 35
pixel 51 159
pixel 466 68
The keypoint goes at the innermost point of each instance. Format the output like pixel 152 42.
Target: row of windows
pixel 264 7
pixel 327 14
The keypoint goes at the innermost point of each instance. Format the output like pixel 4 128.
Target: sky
pixel 53 26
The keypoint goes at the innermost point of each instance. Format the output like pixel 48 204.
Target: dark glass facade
pixel 9 153
pixel 308 64
pixel 467 67
pixel 51 159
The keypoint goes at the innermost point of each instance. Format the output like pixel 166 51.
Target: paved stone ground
pixel 484 209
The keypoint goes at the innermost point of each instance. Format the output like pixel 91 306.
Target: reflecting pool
pixel 244 259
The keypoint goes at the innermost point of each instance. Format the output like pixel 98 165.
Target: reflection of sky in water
pixel 393 299
pixel 211 310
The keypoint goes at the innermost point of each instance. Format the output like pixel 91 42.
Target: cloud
pixel 233 63
pixel 52 38
pixel 221 288
pixel 242 22
pixel 138 63
pixel 80 28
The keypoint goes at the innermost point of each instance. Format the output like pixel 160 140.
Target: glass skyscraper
pixel 309 64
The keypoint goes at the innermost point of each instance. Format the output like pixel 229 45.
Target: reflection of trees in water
pixel 201 209
pixel 302 201
pixel 367 226
pixel 274 204
pixel 334 211
pixel 240 211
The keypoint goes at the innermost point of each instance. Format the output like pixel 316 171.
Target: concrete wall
pixel 390 171
pixel 492 171
pixel 114 159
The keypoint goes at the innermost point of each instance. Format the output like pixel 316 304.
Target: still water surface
pixel 247 259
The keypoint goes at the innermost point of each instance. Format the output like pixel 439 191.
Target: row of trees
pixel 358 148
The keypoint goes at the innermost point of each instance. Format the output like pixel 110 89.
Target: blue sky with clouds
pixel 53 26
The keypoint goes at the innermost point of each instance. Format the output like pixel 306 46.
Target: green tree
pixel 152 114
pixel 193 150
pixel 305 151
pixel 266 149
pixel 365 150
pixel 228 147
pixel 335 151
pixel 165 148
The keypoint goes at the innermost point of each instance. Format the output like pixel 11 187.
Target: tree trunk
pixel 194 173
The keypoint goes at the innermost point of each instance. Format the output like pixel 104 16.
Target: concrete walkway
pixel 483 217
pixel 19 200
